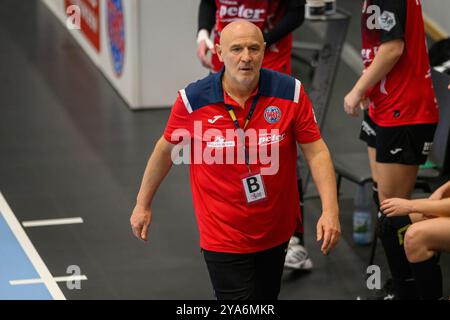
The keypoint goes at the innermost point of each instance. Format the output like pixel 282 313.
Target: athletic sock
pixel 428 276
pixel 391 232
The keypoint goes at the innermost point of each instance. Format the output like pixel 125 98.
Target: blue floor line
pixel 15 265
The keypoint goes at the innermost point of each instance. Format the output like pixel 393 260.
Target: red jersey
pixel 406 95
pixel 283 116
pixel 265 14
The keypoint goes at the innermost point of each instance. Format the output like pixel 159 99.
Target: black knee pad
pixel 391 231
pixel 393 227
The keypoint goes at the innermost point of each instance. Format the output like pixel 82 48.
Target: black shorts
pixel 408 144
pixel 247 276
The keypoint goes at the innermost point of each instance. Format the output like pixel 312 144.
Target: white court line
pixel 57 279
pixel 51 222
pixel 30 250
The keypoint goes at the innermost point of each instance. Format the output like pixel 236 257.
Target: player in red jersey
pixel 276 19
pixel 242 125
pixel 399 127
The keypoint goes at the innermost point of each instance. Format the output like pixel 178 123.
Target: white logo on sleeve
pixel 397 150
pixel 387 20
pixel 213 120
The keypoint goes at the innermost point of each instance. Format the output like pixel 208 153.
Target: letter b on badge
pixel 252 184
pixel 254 188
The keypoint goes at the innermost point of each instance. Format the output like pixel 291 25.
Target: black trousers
pixel 249 276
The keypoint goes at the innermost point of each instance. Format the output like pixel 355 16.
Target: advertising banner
pixel 90 20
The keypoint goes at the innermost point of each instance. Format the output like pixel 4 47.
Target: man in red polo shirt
pixel 277 19
pixel 402 117
pixel 242 125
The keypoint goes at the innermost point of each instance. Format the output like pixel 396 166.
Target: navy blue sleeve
pixel 392 19
pixel 206 15
pixel 293 18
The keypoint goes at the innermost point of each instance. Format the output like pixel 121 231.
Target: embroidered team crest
pixel 272 114
pixel 387 21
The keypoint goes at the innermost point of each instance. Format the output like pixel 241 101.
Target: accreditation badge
pixel 254 188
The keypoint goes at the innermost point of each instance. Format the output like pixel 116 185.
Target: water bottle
pixel 362 217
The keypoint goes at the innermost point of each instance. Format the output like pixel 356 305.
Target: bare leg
pixel 422 240
pixel 372 153
pixel 395 180
pixel 426 237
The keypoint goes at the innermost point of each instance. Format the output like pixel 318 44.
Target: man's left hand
pixel 328 230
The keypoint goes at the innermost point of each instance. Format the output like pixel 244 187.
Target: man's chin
pixel 246 80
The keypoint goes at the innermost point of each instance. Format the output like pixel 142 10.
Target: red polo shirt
pixel 282 117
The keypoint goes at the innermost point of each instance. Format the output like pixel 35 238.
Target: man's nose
pixel 246 57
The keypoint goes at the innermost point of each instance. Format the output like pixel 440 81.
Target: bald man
pixel 242 125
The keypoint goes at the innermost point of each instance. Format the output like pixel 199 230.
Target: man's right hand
pixel 204 44
pixel 140 220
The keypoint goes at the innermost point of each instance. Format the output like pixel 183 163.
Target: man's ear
pixel 219 52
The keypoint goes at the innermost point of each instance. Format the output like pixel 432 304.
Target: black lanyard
pixel 241 131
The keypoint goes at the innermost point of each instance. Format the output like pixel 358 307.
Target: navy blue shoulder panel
pixel 205 91
pixel 209 89
pixel 276 84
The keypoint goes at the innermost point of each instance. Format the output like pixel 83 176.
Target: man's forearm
pixel 322 171
pixel 157 168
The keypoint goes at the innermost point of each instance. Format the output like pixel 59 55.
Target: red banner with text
pixel 90 19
